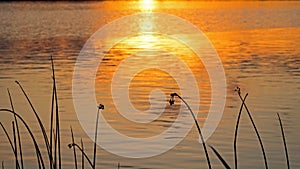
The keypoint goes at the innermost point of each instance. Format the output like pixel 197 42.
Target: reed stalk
pixel 82 156
pixel 236 132
pixel 171 101
pixel 18 131
pixel 82 151
pixel 284 142
pixel 11 145
pixel 56 114
pixel 220 157
pixel 100 107
pixel 38 152
pixel 255 129
pixel 39 121
pixel 15 145
pixel 74 150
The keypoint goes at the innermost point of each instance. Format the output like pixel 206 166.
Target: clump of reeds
pixel 54 158
pixel 48 141
pixel 53 142
pixel 84 155
pixel 243 105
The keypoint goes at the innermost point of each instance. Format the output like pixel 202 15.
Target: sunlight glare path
pixel 147 5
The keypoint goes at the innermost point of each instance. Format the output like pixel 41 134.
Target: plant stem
pixel 284 142
pixel 220 157
pixel 18 131
pixel 236 132
pixel 82 156
pixel 198 127
pixel 95 143
pixel 256 131
pixel 39 121
pixel 75 145
pixel 39 155
pixel 74 150
pixel 11 144
pixel 57 113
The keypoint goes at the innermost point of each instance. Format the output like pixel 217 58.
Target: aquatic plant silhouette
pixel 284 142
pixel 238 90
pixel 52 143
pixel 73 144
pixel 172 101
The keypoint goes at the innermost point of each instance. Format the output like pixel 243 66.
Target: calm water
pixel 258 43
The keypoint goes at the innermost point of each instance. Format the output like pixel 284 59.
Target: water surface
pixel 258 43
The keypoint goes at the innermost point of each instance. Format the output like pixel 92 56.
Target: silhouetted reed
pixel 100 107
pixel 18 131
pixel 236 131
pixel 14 150
pixel 49 146
pixel 74 150
pixel 83 153
pixel 284 143
pixel 39 121
pixel 172 101
pixel 73 144
pixel 38 152
pixel 220 157
pixel 238 90
pixel 53 142
pixel 82 156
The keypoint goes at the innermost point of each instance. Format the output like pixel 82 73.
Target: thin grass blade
pixel 95 143
pixel 199 131
pixel 284 142
pixel 74 150
pixel 39 121
pixel 220 157
pixel 11 144
pixel 82 156
pixel 18 131
pixel 15 145
pixel 236 132
pixel 256 131
pixel 30 133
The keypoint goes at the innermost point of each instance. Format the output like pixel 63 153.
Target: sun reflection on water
pixel 147 5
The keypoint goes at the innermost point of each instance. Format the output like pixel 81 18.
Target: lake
pixel 257 43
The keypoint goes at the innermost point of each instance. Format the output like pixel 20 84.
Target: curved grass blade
pixel 39 121
pixel 56 113
pixel 198 126
pixel 38 152
pixel 256 131
pixel 11 145
pixel 82 156
pixel 51 127
pixel 15 145
pixel 236 132
pixel 284 142
pixel 95 142
pixel 18 131
pixel 74 150
pixel 55 149
pixel 220 157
